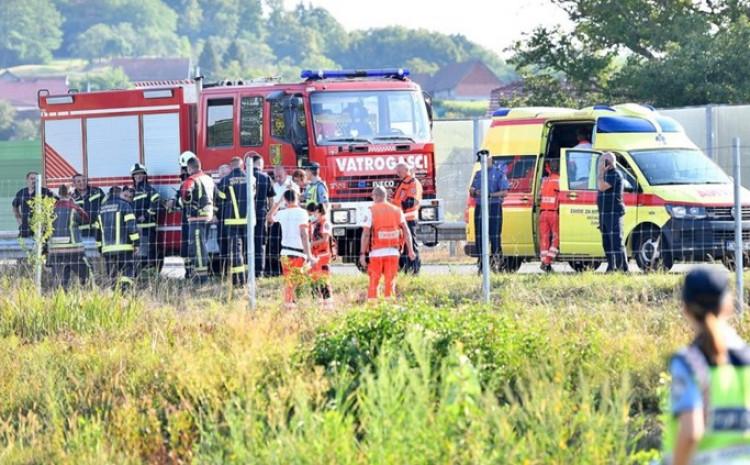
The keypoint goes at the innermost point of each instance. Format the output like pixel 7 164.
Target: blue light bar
pixel 603 107
pixel 313 75
pixel 501 112
pixel 623 124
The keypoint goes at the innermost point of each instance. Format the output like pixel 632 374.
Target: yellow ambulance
pixel 679 203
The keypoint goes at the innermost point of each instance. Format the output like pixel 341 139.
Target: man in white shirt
pixel 583 136
pixel 282 183
pixel 295 241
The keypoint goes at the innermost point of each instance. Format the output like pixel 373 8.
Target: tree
pixel 103 41
pixel 7 115
pixel 29 31
pixel 107 78
pixel 670 52
pixel 211 58
pixel 25 129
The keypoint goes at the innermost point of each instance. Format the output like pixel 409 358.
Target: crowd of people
pixel 292 235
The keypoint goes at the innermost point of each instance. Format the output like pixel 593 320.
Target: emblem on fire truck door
pixel 276 154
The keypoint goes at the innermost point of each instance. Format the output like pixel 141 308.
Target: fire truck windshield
pixel 369 117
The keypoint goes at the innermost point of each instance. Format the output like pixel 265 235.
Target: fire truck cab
pixel 358 125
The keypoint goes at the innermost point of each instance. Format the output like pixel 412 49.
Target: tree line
pixel 228 38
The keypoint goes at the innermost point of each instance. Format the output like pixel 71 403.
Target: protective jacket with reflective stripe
pixel 91 202
pixel 726 401
pixel 66 235
pixel 146 204
pixel 232 194
pixel 408 196
pixel 197 197
pixel 386 226
pixel 550 190
pixel 116 228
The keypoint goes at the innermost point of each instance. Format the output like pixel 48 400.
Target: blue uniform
pixel 497 181
pixel 232 194
pixel 611 212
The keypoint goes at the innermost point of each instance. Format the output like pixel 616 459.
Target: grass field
pixel 558 370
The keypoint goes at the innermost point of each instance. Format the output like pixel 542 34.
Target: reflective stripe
pixel 117 248
pixel 221 195
pixel 239 269
pixel 139 197
pixel 235 206
pixel 128 217
pixel 84 227
pixel 134 237
pixel 198 251
pixel 117 228
pixel 236 222
pixel 94 197
pixel 147 225
pixel 155 197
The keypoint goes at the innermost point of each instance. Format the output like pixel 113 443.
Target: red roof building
pixel 22 92
pixel 470 81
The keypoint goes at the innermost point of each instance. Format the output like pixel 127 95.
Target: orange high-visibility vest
pixel 550 188
pixel 316 233
pixel 408 188
pixel 386 226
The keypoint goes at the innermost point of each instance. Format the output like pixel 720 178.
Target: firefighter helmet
pixel 138 168
pixel 185 156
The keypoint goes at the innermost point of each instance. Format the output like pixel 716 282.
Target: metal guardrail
pixel 11 247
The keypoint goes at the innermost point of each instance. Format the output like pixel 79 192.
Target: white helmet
pixel 185 156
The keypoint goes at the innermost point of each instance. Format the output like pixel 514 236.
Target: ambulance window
pixel 251 121
pixel 580 166
pixel 220 123
pixel 520 172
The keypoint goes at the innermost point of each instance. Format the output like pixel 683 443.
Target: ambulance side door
pixel 579 215
pixel 518 215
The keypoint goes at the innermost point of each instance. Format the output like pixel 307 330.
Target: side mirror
pixel 428 105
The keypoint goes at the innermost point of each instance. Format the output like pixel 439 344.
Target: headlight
pixel 428 214
pixel 682 212
pixel 340 216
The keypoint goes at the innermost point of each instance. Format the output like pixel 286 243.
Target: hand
pixel 363 261
pixel 311 258
pixel 141 219
pixel 170 204
pixel 412 255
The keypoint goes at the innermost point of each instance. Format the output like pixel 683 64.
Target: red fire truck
pixel 356 124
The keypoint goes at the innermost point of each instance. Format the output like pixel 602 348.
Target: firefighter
pixel 197 198
pixel 408 196
pixel 65 249
pixel 316 190
pixel 231 193
pixel 22 204
pixel 322 251
pixel 295 242
pixel 384 233
pixel 118 238
pixel 146 206
pixel 176 202
pixel 549 228
pixel 263 193
pixel 707 419
pixel 90 199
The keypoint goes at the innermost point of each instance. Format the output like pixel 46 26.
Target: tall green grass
pixel 557 370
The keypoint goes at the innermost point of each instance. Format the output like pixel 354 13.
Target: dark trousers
pixel 120 269
pixel 611 226
pixel 147 254
pixel 260 241
pixel 64 264
pixel 235 257
pixel 197 252
pixel 404 264
pixel 273 251
pixel 496 229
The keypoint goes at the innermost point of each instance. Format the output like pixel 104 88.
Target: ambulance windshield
pixel 666 167
pixel 369 117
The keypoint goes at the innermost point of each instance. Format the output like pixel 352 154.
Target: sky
pixel 494 24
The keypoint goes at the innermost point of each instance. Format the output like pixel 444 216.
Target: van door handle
pixel 572 195
pixel 524 199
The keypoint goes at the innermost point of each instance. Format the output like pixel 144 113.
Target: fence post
pixel 38 234
pixel 710 133
pixel 485 209
pixel 250 178
pixel 739 248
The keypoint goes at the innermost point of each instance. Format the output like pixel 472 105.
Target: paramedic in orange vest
pixel 320 245
pixel 384 233
pixel 408 196
pixel 549 226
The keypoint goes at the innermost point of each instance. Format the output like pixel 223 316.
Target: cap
pixel 705 287
pixel 185 156
pixel 138 168
pixel 313 165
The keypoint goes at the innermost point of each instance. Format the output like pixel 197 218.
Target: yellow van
pixel 679 203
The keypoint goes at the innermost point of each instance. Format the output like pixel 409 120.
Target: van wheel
pixel 650 253
pixel 582 266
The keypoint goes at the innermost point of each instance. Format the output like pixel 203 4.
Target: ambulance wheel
pixel 649 251
pixel 581 266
